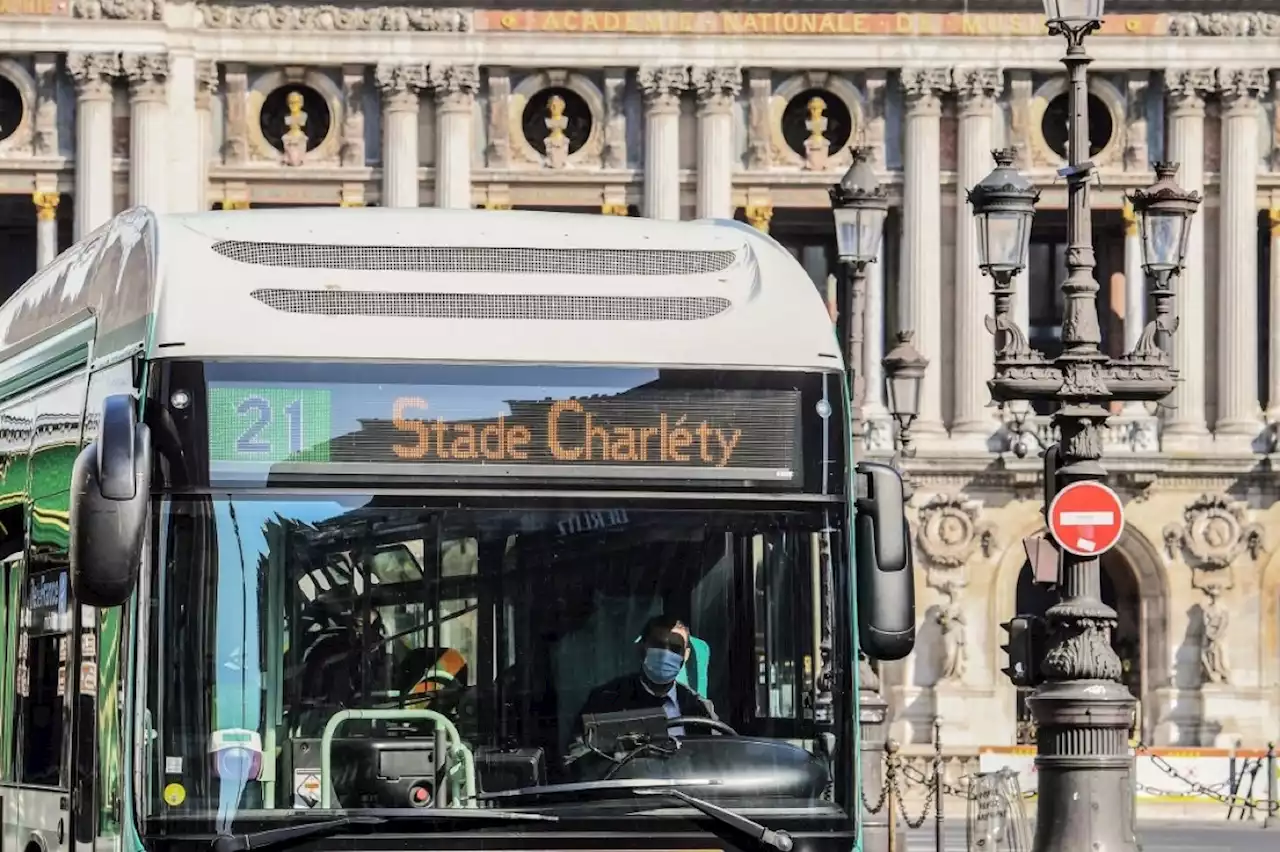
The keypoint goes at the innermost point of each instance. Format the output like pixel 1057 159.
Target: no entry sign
pixel 1086 518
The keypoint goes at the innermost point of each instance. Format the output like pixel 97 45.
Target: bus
pixel 447 528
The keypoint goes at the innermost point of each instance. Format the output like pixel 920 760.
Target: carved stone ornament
pixel 120 10
pixel 925 86
pixel 334 18
pixel 1189 85
pixel 716 87
pixel 93 73
pixel 147 73
pixel 1237 84
pixel 1225 24
pixel 1215 533
pixel 455 86
pixel 977 88
pixel 400 84
pixel 663 84
pixel 950 531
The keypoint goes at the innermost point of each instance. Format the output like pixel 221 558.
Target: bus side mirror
pixel 885 570
pixel 110 489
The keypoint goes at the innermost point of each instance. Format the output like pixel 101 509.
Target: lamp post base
pixel 1084 766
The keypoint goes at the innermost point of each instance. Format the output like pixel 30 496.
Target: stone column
pixel 879 437
pixel 400 86
pixel 46 227
pixel 1239 414
pixel 455 88
pixel 717 89
pixel 206 88
pixel 93 74
pixel 920 278
pixel 1135 293
pixel 1185 420
pixel 662 87
pixel 976 91
pixel 148 134
pixel 1273 348
pixel 184 175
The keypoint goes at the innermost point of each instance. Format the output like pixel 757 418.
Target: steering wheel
pixel 713 724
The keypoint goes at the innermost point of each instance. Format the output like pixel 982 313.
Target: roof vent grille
pixel 511 261
pixel 494 306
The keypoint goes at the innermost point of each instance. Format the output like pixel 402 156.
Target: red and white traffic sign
pixel 1086 518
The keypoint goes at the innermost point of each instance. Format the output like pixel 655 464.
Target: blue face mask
pixel 661 666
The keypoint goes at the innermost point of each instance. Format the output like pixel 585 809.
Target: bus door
pixel 42 687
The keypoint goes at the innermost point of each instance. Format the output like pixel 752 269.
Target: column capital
pixel 400 85
pixel 93 74
pixel 759 216
pixel 148 75
pixel 977 88
pixel 1186 87
pixel 455 86
pixel 662 85
pixel 716 87
pixel 46 205
pixel 924 87
pixel 1242 86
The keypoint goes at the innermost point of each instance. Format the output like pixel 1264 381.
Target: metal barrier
pixel 996 805
pixel 997 818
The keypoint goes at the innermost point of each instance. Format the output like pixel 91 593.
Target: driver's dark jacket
pixel 629 693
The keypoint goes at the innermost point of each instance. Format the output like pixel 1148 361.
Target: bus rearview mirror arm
pixel 885 570
pixel 110 487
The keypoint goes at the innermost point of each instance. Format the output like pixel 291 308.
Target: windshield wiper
pixel 779 839
pixel 287 835
pixel 277 838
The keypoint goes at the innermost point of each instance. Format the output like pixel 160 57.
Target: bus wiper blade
pixel 277 838
pixel 779 839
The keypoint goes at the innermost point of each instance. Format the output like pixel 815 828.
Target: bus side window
pixel 42 677
pixel 10 589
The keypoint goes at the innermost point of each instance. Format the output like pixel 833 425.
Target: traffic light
pixel 1023 647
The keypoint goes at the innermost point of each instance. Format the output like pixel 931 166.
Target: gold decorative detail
pixel 350 202
pixel 556 142
pixel 1274 215
pixel 295 138
pixel 46 205
pixel 235 204
pixel 497 205
pixel 1130 219
pixel 816 147
pixel 759 216
pixel 555 117
pixel 615 210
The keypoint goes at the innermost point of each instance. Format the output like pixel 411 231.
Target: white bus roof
pixel 464 286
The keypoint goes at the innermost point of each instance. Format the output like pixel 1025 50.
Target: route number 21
pixel 263 416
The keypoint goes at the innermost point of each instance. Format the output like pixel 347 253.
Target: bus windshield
pixel 387 651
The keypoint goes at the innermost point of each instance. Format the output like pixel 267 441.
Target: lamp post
pixel 904 370
pixel 859 205
pixel 1082 711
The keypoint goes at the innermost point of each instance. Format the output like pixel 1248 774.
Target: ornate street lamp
pixel 1004 204
pixel 1164 212
pixel 904 368
pixel 859 205
pixel 1081 707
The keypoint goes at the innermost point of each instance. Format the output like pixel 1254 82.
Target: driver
pixel 664 649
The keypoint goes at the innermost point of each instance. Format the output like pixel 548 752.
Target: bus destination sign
pixel 450 429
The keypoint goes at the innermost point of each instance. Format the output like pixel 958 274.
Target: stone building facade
pixel 195 105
